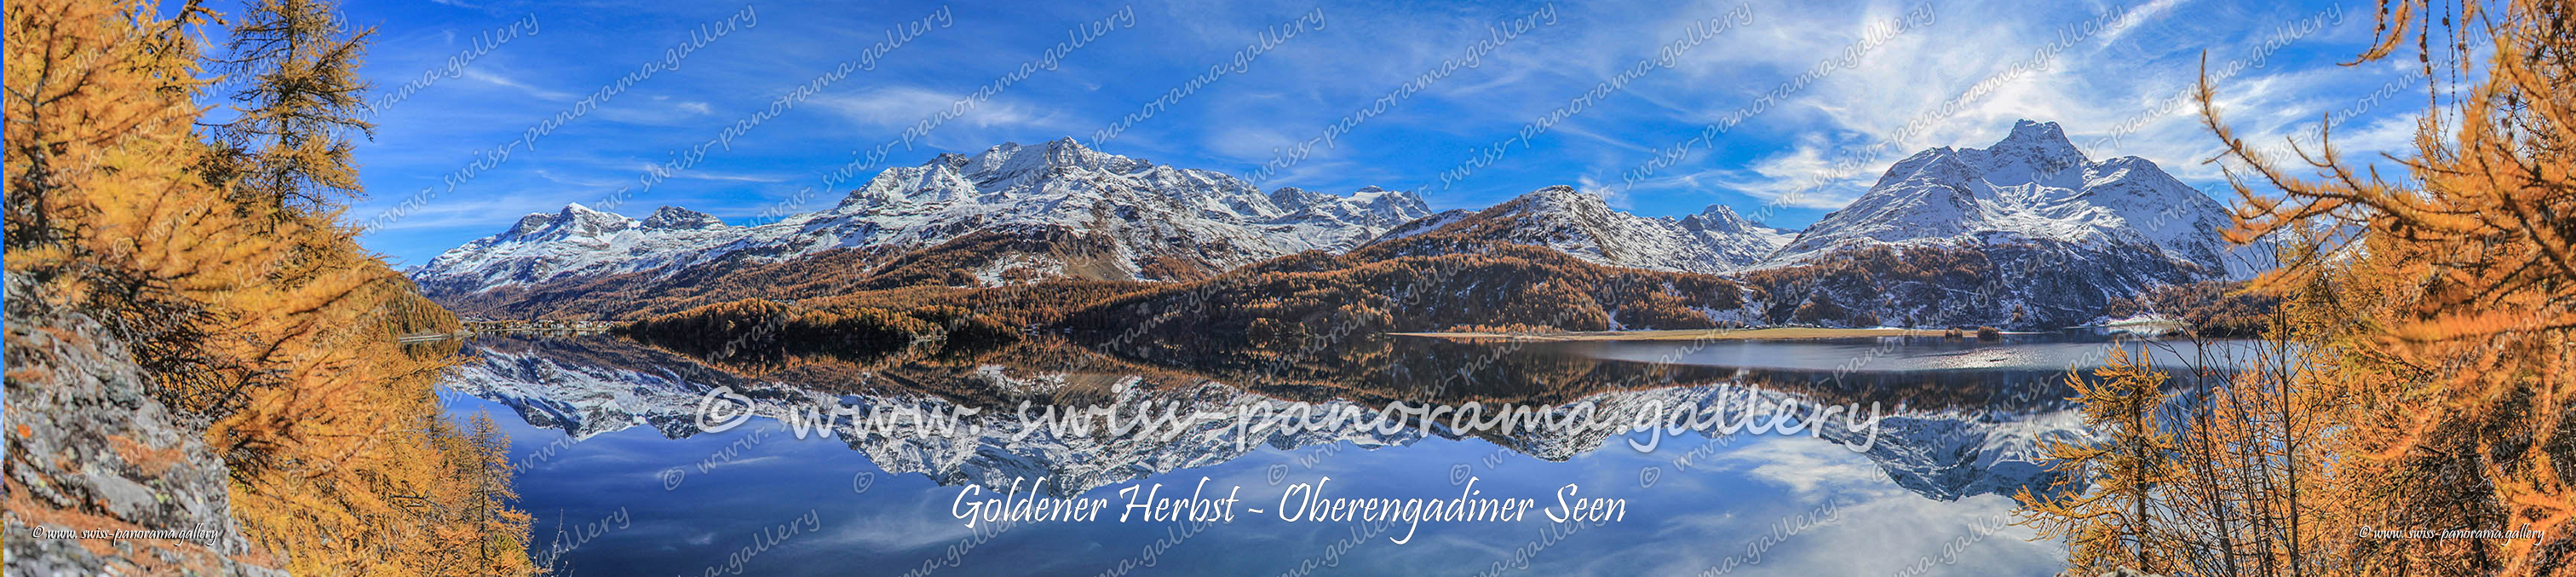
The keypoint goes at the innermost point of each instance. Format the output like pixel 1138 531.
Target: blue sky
pixel 1957 76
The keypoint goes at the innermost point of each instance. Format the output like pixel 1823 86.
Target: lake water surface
pixel 623 481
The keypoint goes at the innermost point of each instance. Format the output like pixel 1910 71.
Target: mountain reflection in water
pixel 1961 418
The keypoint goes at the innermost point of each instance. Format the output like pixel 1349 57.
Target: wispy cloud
pixel 718 176
pixel 474 214
pixel 899 106
pixel 2100 69
pixel 496 79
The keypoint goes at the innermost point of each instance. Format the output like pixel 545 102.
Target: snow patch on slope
pixel 2032 185
pixel 1143 209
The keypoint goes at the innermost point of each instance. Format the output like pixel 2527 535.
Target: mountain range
pixel 2028 232
pixel 1104 216
pixel 2031 186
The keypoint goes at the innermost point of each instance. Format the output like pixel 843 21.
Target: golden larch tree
pixel 2446 363
pixel 2117 521
pixel 264 323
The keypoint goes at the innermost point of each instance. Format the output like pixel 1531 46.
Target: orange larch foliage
pixel 2122 520
pixel 2437 363
pixel 262 319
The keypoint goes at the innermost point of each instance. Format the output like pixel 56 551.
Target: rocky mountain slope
pixel 1086 214
pixel 2032 186
pixel 1580 224
pixel 2029 233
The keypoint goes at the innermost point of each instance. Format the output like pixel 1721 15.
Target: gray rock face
pixel 676 217
pixel 89 449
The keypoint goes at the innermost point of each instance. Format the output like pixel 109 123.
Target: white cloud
pixel 465 211
pixel 702 174
pixel 1802 177
pixel 576 181
pixel 2093 87
pixel 1807 466
pixel 2133 18
pixel 478 74
pixel 981 124
pixel 1251 143
pixel 900 106
pixel 1615 196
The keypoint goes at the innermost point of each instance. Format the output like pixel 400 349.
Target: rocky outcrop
pixel 102 479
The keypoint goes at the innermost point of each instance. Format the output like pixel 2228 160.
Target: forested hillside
pixel 1296 306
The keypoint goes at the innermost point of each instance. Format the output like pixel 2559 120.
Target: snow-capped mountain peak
pixel 2037 144
pixel 1293 198
pixel 1585 226
pixel 1720 218
pixel 1012 160
pixel 2032 185
pixel 529 225
pixel 1126 212
pixel 574 220
pixel 2071 233
pixel 2027 233
pixel 574 241
pixel 676 217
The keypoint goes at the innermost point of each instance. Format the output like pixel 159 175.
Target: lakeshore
pixel 1745 334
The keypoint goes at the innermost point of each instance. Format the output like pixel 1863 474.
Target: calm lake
pixel 623 480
